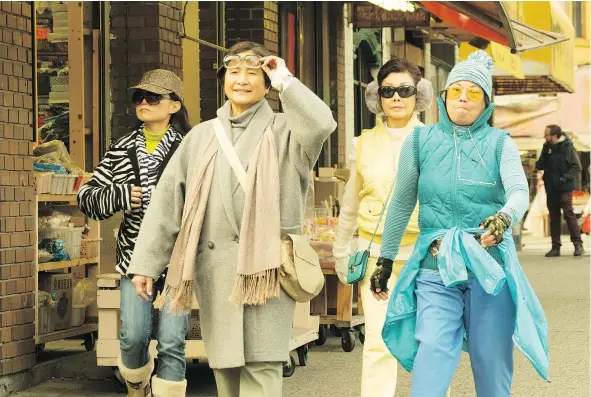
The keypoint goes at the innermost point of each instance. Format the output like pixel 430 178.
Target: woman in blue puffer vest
pixel 463 286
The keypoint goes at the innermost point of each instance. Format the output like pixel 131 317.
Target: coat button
pixel 236 239
pixel 210 245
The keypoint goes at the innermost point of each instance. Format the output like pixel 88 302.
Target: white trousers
pixel 380 368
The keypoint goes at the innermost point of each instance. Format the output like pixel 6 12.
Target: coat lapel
pixel 244 147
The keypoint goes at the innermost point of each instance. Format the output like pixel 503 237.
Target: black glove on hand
pixel 497 224
pixel 380 277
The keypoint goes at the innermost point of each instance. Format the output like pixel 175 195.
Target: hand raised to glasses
pixel 272 64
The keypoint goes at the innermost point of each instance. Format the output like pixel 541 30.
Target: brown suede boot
pixel 167 388
pixel 137 380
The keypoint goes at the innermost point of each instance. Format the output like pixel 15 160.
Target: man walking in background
pixel 561 167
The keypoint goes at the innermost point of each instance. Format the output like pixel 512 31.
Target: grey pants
pixel 252 380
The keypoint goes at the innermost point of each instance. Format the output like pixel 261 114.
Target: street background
pixel 562 285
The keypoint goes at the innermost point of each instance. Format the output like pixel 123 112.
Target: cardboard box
pixel 325 172
pixel 323 190
pixel 59 286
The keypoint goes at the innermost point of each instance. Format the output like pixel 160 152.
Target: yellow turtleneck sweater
pixel 152 139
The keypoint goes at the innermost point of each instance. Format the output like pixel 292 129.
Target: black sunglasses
pixel 151 98
pixel 405 91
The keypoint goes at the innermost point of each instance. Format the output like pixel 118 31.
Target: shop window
pixel 301 46
pixel 289 48
pixel 68 97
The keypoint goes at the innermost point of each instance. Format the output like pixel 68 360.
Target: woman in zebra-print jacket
pixel 124 181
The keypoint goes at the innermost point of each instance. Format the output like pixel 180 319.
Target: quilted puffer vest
pixel 455 188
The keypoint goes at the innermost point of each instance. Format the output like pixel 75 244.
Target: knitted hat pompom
pixel 483 58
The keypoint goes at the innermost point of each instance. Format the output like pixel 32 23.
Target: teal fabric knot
pixel 460 252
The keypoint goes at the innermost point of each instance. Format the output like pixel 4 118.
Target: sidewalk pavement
pixel 562 285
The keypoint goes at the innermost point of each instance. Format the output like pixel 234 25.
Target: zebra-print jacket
pixel 109 189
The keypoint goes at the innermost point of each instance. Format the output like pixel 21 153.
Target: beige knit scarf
pixel 259 251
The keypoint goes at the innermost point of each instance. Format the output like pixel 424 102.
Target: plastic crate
pixel 63 184
pixel 72 238
pixel 43 182
pixel 90 248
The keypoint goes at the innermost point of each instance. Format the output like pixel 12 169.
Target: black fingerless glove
pixel 497 224
pixel 380 277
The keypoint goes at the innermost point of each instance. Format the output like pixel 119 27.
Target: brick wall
pixel 17 221
pixel 145 39
pixel 208 31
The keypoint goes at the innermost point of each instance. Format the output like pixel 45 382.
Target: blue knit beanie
pixel 477 69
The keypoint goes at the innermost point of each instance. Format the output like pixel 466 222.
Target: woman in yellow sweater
pixel 400 93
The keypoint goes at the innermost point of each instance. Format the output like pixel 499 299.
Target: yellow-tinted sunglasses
pixel 473 94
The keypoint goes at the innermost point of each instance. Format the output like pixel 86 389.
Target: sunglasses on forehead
pixel 404 91
pixel 251 61
pixel 152 99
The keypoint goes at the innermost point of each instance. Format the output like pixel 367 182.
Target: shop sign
pixel 42 33
pixel 511 63
pixel 370 16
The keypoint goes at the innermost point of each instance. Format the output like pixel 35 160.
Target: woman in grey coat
pixel 218 230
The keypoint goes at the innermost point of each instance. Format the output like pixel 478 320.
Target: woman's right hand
pixel 136 197
pixel 143 286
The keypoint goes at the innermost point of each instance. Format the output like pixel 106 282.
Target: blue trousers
pixel 136 330
pixel 443 315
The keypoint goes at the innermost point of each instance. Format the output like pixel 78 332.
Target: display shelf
pixel 46 266
pixel 302 336
pixel 69 198
pixel 66 333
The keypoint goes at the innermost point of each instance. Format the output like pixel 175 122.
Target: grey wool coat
pixel 235 334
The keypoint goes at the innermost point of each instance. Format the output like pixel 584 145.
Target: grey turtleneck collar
pixel 240 122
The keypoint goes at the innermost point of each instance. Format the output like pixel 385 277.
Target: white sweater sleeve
pixel 349 208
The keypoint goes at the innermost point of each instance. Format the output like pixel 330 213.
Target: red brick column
pixel 145 39
pixel 17 221
pixel 208 84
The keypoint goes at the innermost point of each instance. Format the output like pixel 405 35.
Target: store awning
pixel 480 22
pixel 526 116
pixel 544 70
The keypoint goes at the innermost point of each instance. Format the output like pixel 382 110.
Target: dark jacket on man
pixel 561 166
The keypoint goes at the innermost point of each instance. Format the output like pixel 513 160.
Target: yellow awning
pixel 544 70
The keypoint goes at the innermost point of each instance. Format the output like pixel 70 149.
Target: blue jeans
pixel 443 314
pixel 136 329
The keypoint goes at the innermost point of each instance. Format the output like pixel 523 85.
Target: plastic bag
pixel 84 293
pixel 44 256
pixel 53 219
pixel 44 298
pixel 55 153
pixel 56 248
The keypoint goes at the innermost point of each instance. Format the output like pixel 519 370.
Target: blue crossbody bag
pixel 358 263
